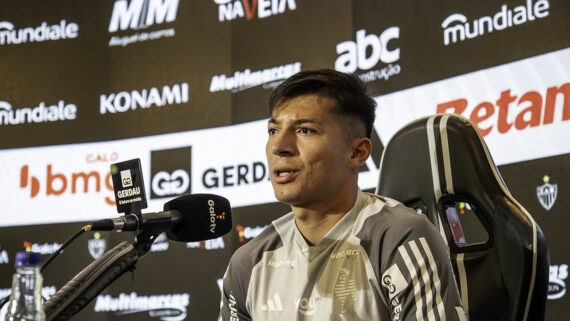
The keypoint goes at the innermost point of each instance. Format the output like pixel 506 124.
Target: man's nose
pixel 283 144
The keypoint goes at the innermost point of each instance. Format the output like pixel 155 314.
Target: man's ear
pixel 360 151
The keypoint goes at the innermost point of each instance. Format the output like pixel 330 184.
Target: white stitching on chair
pixel 435 173
pixel 463 283
pixel 433 158
pixel 445 151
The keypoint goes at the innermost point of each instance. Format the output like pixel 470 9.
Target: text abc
pixel 353 54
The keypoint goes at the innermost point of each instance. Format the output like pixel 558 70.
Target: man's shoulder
pixel 386 215
pixel 395 229
pixel 267 240
pixel 387 209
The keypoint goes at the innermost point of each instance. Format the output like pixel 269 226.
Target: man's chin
pixel 287 198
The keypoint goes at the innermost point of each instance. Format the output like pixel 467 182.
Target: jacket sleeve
pixel 416 276
pixel 234 291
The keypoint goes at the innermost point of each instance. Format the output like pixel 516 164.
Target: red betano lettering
pixel 537 108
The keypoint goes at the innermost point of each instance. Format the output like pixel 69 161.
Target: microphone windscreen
pixel 204 217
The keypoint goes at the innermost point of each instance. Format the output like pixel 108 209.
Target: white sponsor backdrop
pixel 45 185
pixel 535 74
pixel 60 195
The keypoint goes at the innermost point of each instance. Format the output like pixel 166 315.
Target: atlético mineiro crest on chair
pixel 97 245
pixel 547 193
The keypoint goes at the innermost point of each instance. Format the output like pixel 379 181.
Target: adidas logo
pixel 273 304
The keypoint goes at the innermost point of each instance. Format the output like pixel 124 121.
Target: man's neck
pixel 315 222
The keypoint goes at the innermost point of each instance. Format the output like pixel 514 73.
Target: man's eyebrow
pixel 297 122
pixel 305 121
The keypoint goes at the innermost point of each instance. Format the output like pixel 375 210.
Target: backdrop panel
pixel 183 85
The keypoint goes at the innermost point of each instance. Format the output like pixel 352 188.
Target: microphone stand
pixel 94 278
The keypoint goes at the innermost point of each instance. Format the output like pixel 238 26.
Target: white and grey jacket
pixel 381 261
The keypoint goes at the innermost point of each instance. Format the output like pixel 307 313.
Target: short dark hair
pixel 347 90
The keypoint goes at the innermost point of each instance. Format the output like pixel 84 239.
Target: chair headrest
pixel 439 155
pixel 438 162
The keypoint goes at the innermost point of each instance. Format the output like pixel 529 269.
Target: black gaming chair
pixel 440 166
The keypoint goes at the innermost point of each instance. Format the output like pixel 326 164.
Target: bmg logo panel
pixel 171 172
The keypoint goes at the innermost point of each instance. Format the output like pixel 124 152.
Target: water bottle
pixel 26 298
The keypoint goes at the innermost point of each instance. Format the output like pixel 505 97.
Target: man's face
pixel 307 152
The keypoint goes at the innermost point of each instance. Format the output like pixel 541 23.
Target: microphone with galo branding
pixel 188 218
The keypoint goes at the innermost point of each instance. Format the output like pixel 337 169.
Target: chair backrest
pixel 440 166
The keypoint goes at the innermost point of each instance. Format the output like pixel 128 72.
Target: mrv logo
pixel 125 100
pixel 233 9
pixel 9 35
pixel 167 307
pixel 367 51
pixel 557 281
pixel 141 14
pixel 505 18
pixel 39 114
pixel 170 171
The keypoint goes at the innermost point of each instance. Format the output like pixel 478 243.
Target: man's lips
pixel 284 175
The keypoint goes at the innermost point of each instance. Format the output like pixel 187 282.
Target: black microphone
pixel 188 218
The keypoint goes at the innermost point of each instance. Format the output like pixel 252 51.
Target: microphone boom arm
pixel 93 279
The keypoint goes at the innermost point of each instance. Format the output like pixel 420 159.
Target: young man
pixel 341 254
